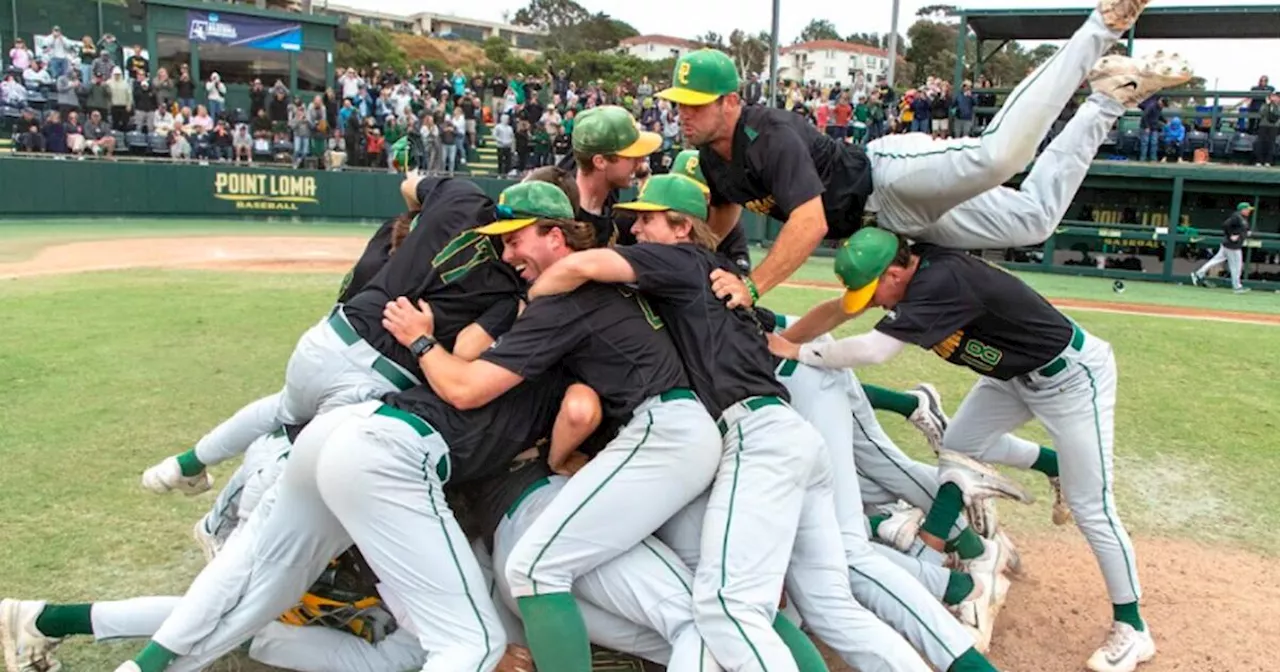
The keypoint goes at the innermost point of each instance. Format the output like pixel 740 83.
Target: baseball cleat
pixel 929 418
pixel 983 518
pixel 1195 279
pixel 208 543
pixel 977 480
pixel 1061 512
pixel 901 529
pixel 1124 650
pixel 979 616
pixel 1013 559
pixel 1120 15
pixel 992 563
pixel 1130 81
pixel 25 649
pixel 167 477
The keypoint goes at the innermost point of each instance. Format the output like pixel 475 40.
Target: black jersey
pixel 443 260
pixel 481 505
pixel 724 351
pixel 606 336
pixel 780 162
pixel 374 257
pixel 607 230
pixel 976 314
pixel 483 440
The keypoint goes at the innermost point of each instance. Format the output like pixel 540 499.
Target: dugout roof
pixel 1169 23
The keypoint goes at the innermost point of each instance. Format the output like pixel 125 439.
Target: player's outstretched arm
pixel 579 417
pixel 798 238
pixel 867 349
pixel 409 190
pixel 579 268
pixel 722 218
pixel 820 319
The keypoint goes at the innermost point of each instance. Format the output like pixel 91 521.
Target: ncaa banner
pixel 239 30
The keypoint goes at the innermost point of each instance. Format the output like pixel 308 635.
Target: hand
pixel 726 285
pixel 783 348
pixel 571 464
pixel 516 659
pixel 406 322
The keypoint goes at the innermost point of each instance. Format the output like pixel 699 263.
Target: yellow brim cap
pixel 646 144
pixel 643 207
pixel 681 96
pixel 505 226
pixel 855 300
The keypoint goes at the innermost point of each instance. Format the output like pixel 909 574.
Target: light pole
pixel 773 55
pixel 893 43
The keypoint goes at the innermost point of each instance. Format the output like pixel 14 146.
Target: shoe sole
pixel 1120 15
pixel 203 541
pixel 989 477
pixel 935 404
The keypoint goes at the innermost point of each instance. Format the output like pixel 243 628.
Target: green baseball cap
pixel 672 192
pixel 860 261
pixel 609 129
pixel 1243 205
pixel 686 163
pixel 701 77
pixel 523 204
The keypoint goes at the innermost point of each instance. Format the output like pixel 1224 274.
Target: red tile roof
pixel 660 39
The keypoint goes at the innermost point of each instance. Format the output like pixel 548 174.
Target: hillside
pixel 454 53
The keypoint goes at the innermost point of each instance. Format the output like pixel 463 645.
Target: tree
pixel 938 12
pixel 749 52
pixel 601 32
pixel 867 39
pixel 711 39
pixel 819 29
pixel 367 46
pixel 570 27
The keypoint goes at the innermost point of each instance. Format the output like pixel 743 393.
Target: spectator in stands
pixel 350 84
pixel 504 137
pixel 319 116
pixel 261 125
pixel 300 125
pixel 55 134
pixel 12 93
pixel 186 88
pixel 1152 125
pixel 562 144
pixel 20 57
pixel 217 93
pixel 1264 145
pixel 841 116
pixel 37 77
pixel 121 94
pixel 1257 100
pixel 460 136
pixel 1175 133
pixel 541 141
pixel 242 144
pixel 449 141
pixel 75 132
pixel 220 141
pixel 257 97
pixel 200 122
pixel 97 135
pixel 68 97
pixel 940 111
pixel 278 107
pixel 162 121
pixel 164 88
pixel 98 98
pixel 432 145
pixel 964 104
pixel 336 155
pixel 108 45
pixel 470 107
pixel 331 107
pixel 137 63
pixel 58 53
pixel 375 146
pixel 103 65
pixel 459 82
pixel 29 139
pixel 144 105
pixel 88 52
pixel 179 145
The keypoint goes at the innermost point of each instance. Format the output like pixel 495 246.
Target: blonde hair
pixel 700 232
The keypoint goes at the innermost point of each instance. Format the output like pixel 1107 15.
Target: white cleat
pixel 929 418
pixel 167 477
pixel 901 528
pixel 983 518
pixel 1130 81
pixel 1124 650
pixel 978 616
pixel 1013 559
pixel 25 649
pixel 1061 511
pixel 1120 15
pixel 977 480
pixel 208 543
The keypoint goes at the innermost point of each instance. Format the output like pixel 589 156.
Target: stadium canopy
pixel 1165 23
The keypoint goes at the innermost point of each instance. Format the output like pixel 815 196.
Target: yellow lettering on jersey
pixel 948 346
pixel 684 73
pixel 762 206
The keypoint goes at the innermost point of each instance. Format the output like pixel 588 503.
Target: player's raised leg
pixel 906 168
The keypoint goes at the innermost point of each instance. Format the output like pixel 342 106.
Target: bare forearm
pixel 723 218
pixel 820 319
pixel 448 375
pixel 797 240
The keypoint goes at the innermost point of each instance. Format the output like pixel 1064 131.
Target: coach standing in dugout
pixel 1234 232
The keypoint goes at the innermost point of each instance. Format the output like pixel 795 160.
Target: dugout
pixel 1151 221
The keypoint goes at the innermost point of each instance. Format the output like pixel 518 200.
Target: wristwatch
pixel 422 345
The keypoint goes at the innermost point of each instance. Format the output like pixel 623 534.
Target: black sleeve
pixel 550 328
pixel 667 272
pixel 735 249
pixel 499 317
pixel 938 304
pixel 370 262
pixel 782 160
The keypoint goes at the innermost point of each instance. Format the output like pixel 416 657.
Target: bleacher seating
pixel 159 145
pixel 1219 144
pixel 1196 140
pixel 1242 147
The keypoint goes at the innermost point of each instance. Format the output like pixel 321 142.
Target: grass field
pixel 102 374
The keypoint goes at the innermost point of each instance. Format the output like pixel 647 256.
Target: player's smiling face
pixel 531 252
pixel 654 227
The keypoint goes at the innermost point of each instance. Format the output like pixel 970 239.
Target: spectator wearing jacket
pixel 121 94
pixel 68 97
pixel 1152 125
pixel 965 104
pixel 1264 145
pixel 144 105
pixel 1175 135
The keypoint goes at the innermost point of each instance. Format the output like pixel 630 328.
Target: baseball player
pixel 772 162
pixel 773 482
pixel 348 357
pixel 1034 363
pixel 664 455
pixel 1234 232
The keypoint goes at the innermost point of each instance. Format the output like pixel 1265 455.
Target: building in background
pixel 446 26
pixel 656 47
pixel 827 62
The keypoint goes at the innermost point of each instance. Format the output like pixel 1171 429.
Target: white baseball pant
pixel 262 464
pixel 918 179
pixel 1235 265
pixel 893 588
pixel 358 474
pixel 1076 405
pixel 330 367
pixel 645 592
